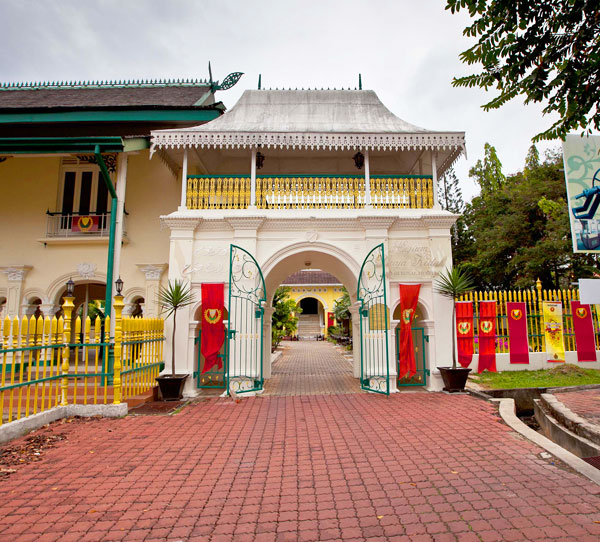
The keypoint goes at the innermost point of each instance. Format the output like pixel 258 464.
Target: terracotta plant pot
pixel 454 379
pixel 171 387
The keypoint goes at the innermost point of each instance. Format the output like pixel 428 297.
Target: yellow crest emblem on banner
pixel 486 326
pixel 516 314
pixel 407 315
pixel 85 223
pixel 212 316
pixel 581 312
pixel 464 328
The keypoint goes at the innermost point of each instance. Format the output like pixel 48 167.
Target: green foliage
pixel 563 375
pixel 172 297
pixel 341 307
pixel 520 231
pixel 284 321
pixel 546 51
pixel 453 283
pixel 488 173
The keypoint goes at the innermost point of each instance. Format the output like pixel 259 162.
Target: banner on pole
pixel 487 336
pixel 517 332
pixel 409 297
pixel 581 156
pixel 212 326
pixel 464 332
pixel 553 330
pixel 584 331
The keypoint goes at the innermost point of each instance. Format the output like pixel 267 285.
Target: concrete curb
pixel 276 355
pixel 507 412
pixel 573 422
pixel 23 426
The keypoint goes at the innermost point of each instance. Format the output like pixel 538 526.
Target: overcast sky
pixel 407 51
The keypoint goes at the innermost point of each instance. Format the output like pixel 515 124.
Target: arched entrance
pixel 420 339
pixel 214 377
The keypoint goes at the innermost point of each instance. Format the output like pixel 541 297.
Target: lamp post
pixel 118 346
pixel 67 312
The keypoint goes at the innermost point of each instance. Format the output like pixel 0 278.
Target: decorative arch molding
pixel 56 287
pixel 33 293
pixel 304 295
pixel 275 270
pixel 132 293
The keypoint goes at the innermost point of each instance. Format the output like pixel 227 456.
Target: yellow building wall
pixel 327 294
pixel 29 186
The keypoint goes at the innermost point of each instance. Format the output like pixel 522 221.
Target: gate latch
pixel 231 334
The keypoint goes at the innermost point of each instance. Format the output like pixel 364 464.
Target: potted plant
pixel 453 283
pixel 172 297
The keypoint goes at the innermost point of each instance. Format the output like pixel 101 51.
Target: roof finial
pixel 259 81
pixel 359 81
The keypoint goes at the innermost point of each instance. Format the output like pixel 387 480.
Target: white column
pixel 267 321
pixel 436 203
pixel 121 188
pixel 16 278
pixel 153 274
pixel 184 174
pixel 253 179
pixel 367 180
pixel 356 342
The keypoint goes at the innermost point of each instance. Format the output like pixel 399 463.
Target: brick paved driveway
pixel 413 466
pixel 311 368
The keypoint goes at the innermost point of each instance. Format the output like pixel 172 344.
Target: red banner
pixel 487 336
pixel 329 319
pixel 213 329
pixel 85 224
pixel 464 332
pixel 584 331
pixel 409 297
pixel 516 314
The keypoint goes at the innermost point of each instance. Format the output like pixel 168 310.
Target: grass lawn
pixel 564 374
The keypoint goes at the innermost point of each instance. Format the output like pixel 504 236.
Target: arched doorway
pixel 213 378
pixel 310 365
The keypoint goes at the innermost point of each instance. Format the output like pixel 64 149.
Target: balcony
pixel 77 228
pixel 310 192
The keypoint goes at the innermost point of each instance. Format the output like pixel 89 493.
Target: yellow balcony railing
pixel 310 192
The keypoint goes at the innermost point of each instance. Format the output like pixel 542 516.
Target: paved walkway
pixel 311 368
pixel 585 403
pixel 354 467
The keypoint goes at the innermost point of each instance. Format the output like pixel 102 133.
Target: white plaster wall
pixel 417 247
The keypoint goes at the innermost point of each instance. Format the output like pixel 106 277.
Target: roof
pixel 319 119
pixel 95 95
pixel 312 276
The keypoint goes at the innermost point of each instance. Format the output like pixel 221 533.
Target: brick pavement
pixel 354 467
pixel 311 368
pixel 585 403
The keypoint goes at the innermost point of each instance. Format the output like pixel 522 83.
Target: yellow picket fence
pixel 46 362
pixel 535 325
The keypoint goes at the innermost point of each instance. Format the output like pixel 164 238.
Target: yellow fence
pixel 46 362
pixel 535 325
pixel 309 192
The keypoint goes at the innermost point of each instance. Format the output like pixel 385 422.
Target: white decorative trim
pixel 152 271
pixel 87 270
pixel 16 273
pixel 325 140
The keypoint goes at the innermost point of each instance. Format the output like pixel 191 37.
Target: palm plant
pixel 453 283
pixel 172 297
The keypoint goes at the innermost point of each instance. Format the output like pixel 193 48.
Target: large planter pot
pixel 171 386
pixel 454 379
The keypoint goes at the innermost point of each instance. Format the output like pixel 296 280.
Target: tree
pixel 521 232
pixel 546 51
pixel 172 297
pixel 488 174
pixel 341 308
pixel 451 199
pixel 284 321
